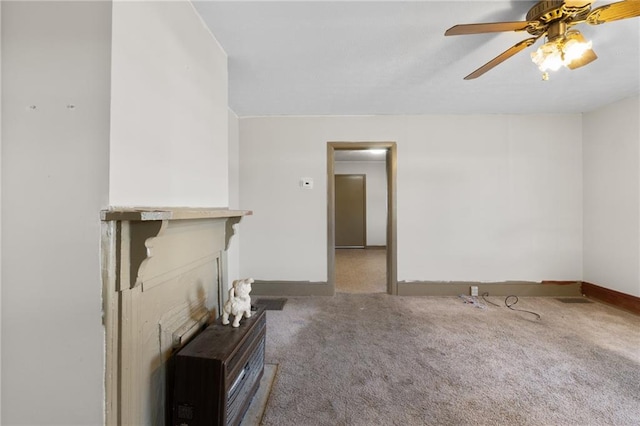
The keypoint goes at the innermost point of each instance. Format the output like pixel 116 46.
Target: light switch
pixel 306 183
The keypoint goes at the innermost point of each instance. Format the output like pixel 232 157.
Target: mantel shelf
pixel 170 213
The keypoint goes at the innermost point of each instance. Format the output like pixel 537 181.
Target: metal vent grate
pixel 243 385
pixel 271 304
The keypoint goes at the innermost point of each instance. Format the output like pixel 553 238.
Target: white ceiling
pixel 391 57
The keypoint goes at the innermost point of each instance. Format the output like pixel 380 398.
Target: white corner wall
pixel 376 196
pixel 612 196
pixel 233 253
pixel 480 198
pixel 1 213
pixel 55 150
pixel 169 125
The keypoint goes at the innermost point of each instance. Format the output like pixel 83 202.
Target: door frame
pixel 391 167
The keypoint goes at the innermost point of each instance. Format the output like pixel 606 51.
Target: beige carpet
pixel 375 359
pixel 361 270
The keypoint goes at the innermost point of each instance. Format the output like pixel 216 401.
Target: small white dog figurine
pixel 239 302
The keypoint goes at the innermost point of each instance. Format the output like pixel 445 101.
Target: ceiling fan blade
pixel 491 27
pixel 614 12
pixel 502 57
pixel 586 58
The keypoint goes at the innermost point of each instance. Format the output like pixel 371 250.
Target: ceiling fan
pixel 552 19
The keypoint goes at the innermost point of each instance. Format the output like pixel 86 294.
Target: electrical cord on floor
pixel 486 293
pixel 510 305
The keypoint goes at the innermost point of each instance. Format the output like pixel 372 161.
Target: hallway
pixel 361 270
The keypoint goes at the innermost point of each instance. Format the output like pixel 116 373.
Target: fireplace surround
pixel 164 278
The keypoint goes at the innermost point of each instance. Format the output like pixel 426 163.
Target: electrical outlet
pixel 474 290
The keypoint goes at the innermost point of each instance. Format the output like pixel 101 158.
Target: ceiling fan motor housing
pixel 556 30
pixel 545 13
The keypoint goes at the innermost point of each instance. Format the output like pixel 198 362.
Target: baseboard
pixel 428 288
pixel 620 300
pixel 290 288
pixel 506 288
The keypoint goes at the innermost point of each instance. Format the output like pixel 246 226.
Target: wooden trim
pixel 555 282
pixel 620 300
pixel 291 288
pixel 429 288
pixel 110 265
pixel 331 222
pixel 392 220
pixel 170 213
pixel 391 165
pixel 518 288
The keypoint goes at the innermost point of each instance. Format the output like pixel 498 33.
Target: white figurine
pixel 239 302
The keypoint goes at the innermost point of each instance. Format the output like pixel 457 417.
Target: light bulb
pixel 548 57
pixel 574 49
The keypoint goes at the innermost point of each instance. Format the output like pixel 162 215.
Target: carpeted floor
pixel 361 270
pixel 374 359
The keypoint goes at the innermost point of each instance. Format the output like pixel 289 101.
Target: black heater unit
pixel 217 374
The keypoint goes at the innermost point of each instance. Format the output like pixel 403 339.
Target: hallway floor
pixel 361 270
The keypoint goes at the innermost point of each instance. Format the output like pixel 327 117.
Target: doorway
pixel 390 254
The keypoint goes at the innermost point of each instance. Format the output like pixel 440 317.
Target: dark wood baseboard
pixel 620 300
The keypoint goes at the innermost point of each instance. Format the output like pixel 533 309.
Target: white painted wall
pixel 612 196
pixel 54 182
pixel 483 198
pixel 376 195
pixel 152 75
pixel 1 212
pixel 491 198
pixel 169 125
pixel 233 253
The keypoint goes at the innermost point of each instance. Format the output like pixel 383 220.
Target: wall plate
pixel 306 183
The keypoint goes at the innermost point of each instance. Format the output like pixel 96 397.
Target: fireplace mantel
pixel 171 213
pixel 164 276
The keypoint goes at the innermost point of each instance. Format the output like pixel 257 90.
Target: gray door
pixel 351 210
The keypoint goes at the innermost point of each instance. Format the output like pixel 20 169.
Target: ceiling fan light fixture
pixel 548 56
pixel 575 46
pixel 552 18
pixel 561 51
